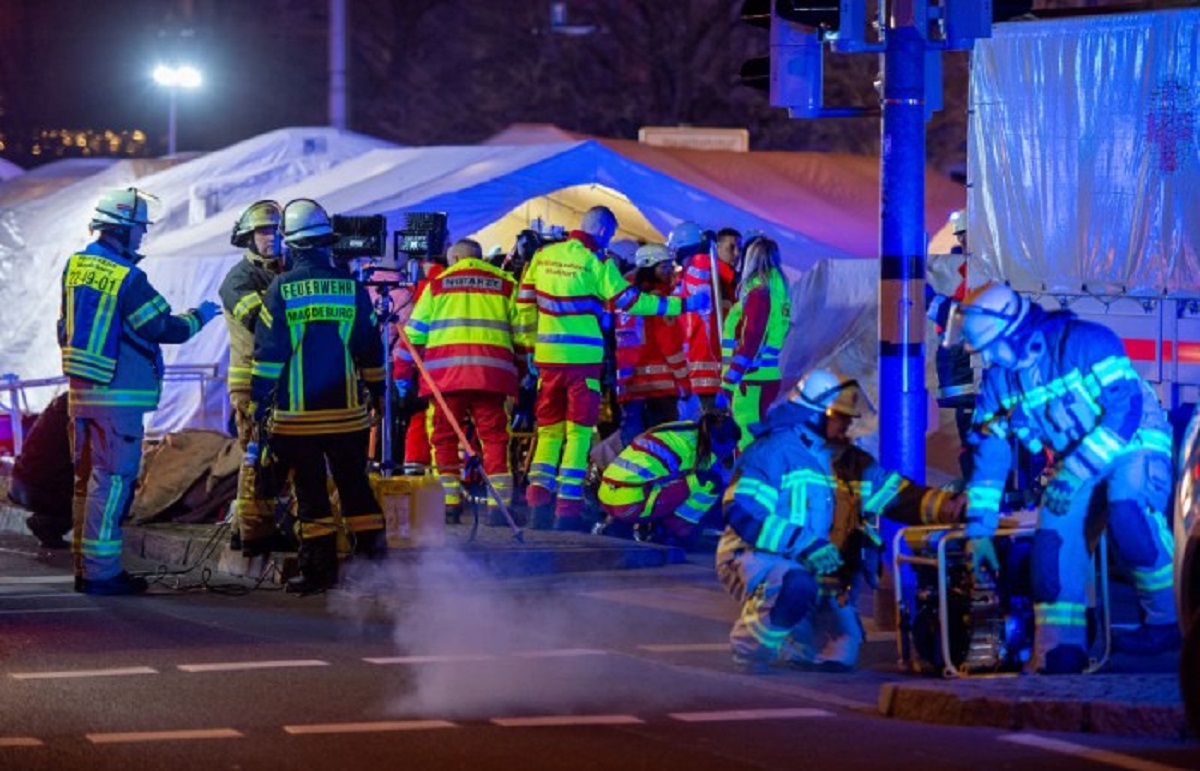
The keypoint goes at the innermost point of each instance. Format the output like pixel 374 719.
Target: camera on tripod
pixel 359 236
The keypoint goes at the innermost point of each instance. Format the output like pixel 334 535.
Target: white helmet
pixel 121 208
pixel 823 391
pixel 305 224
pixel 260 214
pixel 650 255
pixel 958 221
pixel 987 314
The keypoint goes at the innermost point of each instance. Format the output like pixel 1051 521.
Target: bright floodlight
pixel 177 77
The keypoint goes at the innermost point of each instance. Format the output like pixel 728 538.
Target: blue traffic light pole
pixel 903 398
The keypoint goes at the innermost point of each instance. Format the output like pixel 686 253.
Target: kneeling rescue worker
pixel 802 511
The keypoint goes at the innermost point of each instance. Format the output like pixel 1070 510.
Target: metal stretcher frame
pixel 958 533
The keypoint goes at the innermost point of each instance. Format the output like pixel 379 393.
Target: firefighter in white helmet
pixel 651 362
pixel 110 330
pixel 802 515
pixel 242 290
pixel 1053 381
pixel 315 342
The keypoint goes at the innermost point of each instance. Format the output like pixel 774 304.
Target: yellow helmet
pixel 260 214
pixel 989 313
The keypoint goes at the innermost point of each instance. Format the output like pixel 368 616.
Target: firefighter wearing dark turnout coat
pixel 316 337
pixel 242 290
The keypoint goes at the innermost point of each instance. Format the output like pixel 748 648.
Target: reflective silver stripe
pixel 503 326
pixel 968 388
pixel 471 361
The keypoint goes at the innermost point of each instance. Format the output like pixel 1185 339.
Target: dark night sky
pixel 87 63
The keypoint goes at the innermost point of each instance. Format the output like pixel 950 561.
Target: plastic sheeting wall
pixel 1084 153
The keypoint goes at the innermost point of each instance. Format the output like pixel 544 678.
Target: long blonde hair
pixel 761 259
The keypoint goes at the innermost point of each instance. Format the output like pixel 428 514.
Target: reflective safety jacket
pixel 702 336
pixel 316 335
pixel 650 356
pixel 655 459
pixel 1081 399
pixel 464 321
pixel 110 327
pixel 754 333
pixel 792 488
pixel 241 300
pixel 563 295
pixel 783 494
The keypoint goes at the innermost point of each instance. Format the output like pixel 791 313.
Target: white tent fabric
pixel 1084 151
pixel 38 235
pixel 823 209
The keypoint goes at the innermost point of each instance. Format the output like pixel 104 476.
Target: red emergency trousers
pixel 417 448
pixel 702 338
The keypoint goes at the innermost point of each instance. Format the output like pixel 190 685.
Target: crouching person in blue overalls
pixel 1054 381
pixel 802 513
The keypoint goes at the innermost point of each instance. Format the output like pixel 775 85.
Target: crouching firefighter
pixel 1054 381
pixel 670 477
pixel 315 338
pixel 803 511
pixel 242 290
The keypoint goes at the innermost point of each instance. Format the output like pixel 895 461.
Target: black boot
pixel 121 583
pixel 454 514
pixel 318 566
pixel 371 544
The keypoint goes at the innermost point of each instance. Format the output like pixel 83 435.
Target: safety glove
pixel 207 311
pixel 982 555
pixel 1061 492
pixel 700 302
pixel 402 386
pixel 711 476
pixel 724 397
pixel 821 557
pixel 531 367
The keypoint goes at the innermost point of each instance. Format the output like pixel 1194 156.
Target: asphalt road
pixel 441 666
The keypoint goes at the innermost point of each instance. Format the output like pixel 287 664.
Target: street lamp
pixel 173 79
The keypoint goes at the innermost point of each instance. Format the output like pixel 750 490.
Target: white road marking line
pixel 560 653
pixel 19 741
pixel 235 666
pixel 748 714
pixel 164 736
pixel 448 659
pixel 357 728
pixel 48 610
pixel 564 720
pixel 37 580
pixel 686 648
pixel 118 672
pixel 1088 753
